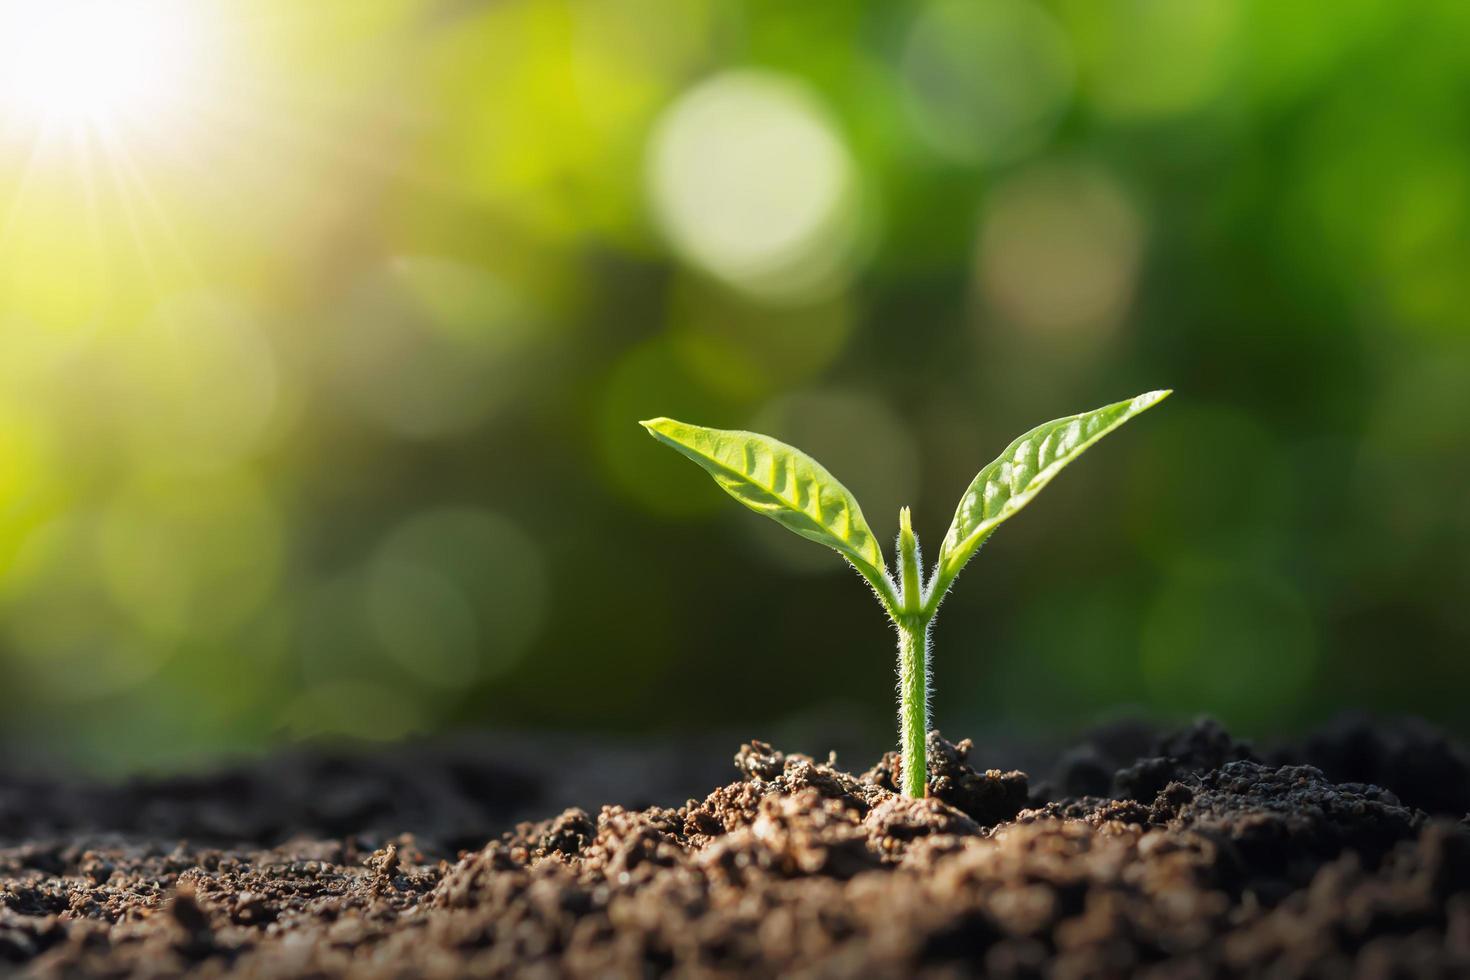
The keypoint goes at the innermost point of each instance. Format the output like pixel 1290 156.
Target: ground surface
pixel 1178 854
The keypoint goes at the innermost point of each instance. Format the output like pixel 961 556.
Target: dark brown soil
pixel 1187 854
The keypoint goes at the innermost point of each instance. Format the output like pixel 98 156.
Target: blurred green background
pixel 324 328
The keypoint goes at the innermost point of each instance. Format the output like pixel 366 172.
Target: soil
pixel 1134 853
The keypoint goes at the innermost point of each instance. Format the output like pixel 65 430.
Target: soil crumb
pixel 1176 854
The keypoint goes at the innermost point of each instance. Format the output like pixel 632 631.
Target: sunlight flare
pixel 74 64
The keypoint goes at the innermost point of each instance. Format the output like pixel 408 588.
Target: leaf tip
pixel 1151 398
pixel 655 425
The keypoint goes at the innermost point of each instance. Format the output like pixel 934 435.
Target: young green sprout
pixel 793 489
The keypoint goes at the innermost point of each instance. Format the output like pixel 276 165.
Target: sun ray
pixel 96 232
pixel 28 172
pixel 126 167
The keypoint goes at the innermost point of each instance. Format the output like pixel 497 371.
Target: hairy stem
pixel 913 703
pixel 913 662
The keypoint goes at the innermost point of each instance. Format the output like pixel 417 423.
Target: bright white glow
pixel 75 64
pixel 753 184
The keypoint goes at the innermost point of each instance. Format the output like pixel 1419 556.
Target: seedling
pixel 790 487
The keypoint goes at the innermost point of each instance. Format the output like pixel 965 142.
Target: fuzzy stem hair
pixel 913 663
pixel 913 706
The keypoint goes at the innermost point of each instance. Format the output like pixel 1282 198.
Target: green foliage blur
pixel 318 389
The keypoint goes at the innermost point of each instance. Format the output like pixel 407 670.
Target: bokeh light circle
pixel 68 643
pixel 455 594
pixel 447 598
pixel 752 183
pixel 1059 252
pixel 986 81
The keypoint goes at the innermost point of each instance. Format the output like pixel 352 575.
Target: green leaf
pixel 784 484
pixel 1018 474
